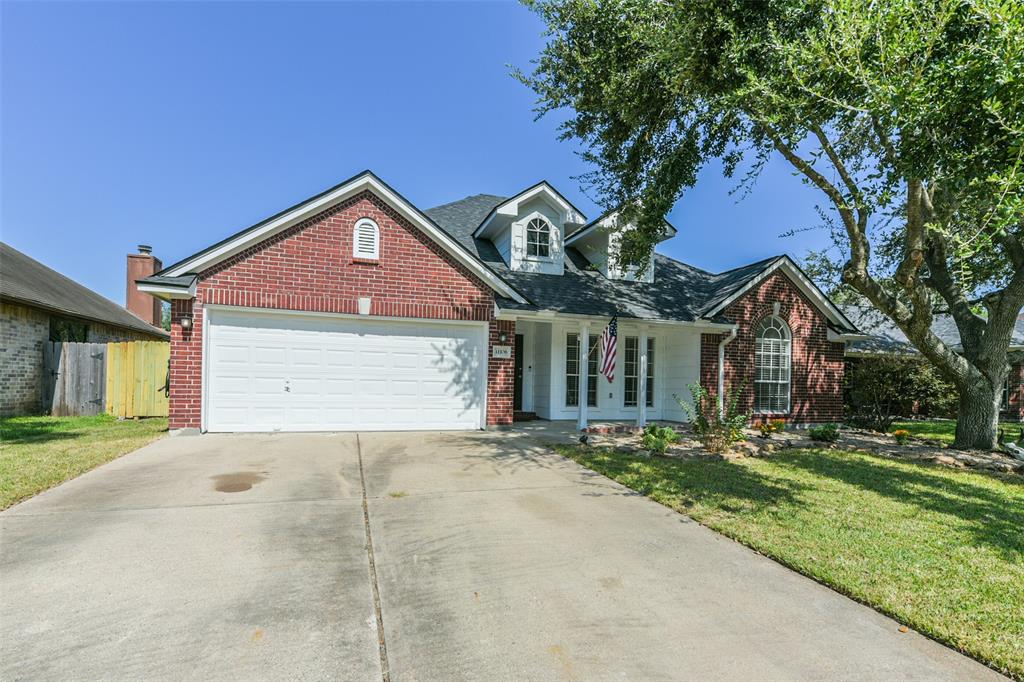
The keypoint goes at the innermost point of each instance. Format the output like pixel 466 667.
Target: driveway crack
pixel 385 671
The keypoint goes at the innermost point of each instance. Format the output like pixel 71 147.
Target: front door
pixel 517 398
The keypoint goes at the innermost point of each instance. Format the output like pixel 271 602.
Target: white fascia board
pixel 510 207
pixel 836 337
pixel 670 232
pixel 167 292
pixel 806 286
pixel 366 181
pixel 554 316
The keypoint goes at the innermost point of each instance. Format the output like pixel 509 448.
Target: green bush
pixel 717 430
pixel 878 390
pixel 658 438
pixel 826 433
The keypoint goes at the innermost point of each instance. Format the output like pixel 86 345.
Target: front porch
pixel 558 378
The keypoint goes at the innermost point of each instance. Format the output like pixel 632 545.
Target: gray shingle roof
pixel 680 292
pixel 25 280
pixel 886 337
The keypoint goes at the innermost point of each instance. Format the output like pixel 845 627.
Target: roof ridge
pixel 465 198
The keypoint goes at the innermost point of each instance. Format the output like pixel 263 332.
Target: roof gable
pixel 365 181
pixel 510 208
pixel 760 272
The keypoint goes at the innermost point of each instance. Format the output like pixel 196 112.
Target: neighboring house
pixel 38 304
pixel 884 337
pixel 354 309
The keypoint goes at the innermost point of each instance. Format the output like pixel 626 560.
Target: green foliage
pixel 657 438
pixel 718 430
pixel 906 116
pixel 770 427
pixel 826 433
pixel 877 390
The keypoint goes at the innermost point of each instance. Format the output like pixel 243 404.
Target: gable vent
pixel 366 240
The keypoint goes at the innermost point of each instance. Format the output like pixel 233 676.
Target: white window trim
pixel 789 366
pixel 361 224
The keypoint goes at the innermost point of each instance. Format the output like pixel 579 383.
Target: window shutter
pixel 366 240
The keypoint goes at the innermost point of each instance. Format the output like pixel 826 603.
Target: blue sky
pixel 177 124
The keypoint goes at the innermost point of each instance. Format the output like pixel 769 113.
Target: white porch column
pixel 584 373
pixel 641 398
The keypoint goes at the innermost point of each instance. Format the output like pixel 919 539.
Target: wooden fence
pixel 126 379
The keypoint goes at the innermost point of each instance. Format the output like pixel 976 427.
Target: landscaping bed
pixel 857 440
pixel 37 453
pixel 937 548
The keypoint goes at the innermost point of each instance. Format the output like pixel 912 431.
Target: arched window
pixel 366 240
pixel 772 354
pixel 538 238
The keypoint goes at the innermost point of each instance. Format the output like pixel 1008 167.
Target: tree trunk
pixel 977 416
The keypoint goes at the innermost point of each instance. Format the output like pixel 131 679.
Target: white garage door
pixel 296 372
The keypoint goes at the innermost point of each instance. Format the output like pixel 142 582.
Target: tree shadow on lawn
pixel 684 484
pixel 990 518
pixel 21 432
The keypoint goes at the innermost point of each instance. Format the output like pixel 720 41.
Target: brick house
pixel 881 336
pixel 38 304
pixel 354 309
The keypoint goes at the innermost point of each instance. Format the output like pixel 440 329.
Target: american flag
pixel 609 339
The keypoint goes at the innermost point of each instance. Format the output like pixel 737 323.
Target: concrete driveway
pixel 229 557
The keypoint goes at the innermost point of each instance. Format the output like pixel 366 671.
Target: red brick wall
pixel 310 267
pixel 501 376
pixel 817 364
pixel 1016 396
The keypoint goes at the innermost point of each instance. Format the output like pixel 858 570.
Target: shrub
pixel 901 436
pixel 658 438
pixel 716 429
pixel 879 389
pixel 771 427
pixel 826 433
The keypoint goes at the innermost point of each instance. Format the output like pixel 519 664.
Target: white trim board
pixel 363 181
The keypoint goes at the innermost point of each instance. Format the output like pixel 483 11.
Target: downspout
pixel 721 369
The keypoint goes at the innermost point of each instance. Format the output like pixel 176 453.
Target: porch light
pixel 502 337
pixel 186 322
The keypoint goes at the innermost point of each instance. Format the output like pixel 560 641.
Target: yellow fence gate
pixel 137 379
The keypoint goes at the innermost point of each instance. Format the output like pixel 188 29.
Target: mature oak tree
pixel 907 115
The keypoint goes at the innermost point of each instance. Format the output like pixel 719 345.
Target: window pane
pixel 572 370
pixel 650 372
pixel 592 362
pixel 630 372
pixel 772 357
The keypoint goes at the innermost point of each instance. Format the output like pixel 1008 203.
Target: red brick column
pixel 500 375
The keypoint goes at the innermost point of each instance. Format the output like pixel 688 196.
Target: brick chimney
pixel 142 265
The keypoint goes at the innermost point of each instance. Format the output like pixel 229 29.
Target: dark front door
pixel 517 398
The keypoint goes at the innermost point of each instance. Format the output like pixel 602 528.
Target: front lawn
pixel 37 453
pixel 944 430
pixel 941 550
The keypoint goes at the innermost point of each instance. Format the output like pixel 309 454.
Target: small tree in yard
pixel 881 388
pixel 906 115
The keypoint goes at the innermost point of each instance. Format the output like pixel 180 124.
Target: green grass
pixel 37 453
pixel 941 550
pixel 943 430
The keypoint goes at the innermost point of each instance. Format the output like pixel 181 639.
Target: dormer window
pixel 538 238
pixel 366 240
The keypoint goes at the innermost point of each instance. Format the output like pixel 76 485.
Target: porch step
pixel 524 416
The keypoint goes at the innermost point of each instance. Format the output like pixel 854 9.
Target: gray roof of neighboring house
pixel 886 337
pixel 680 292
pixel 25 280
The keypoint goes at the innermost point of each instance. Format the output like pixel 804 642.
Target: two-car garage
pixel 287 371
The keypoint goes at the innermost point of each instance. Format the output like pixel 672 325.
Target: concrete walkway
pixel 247 557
